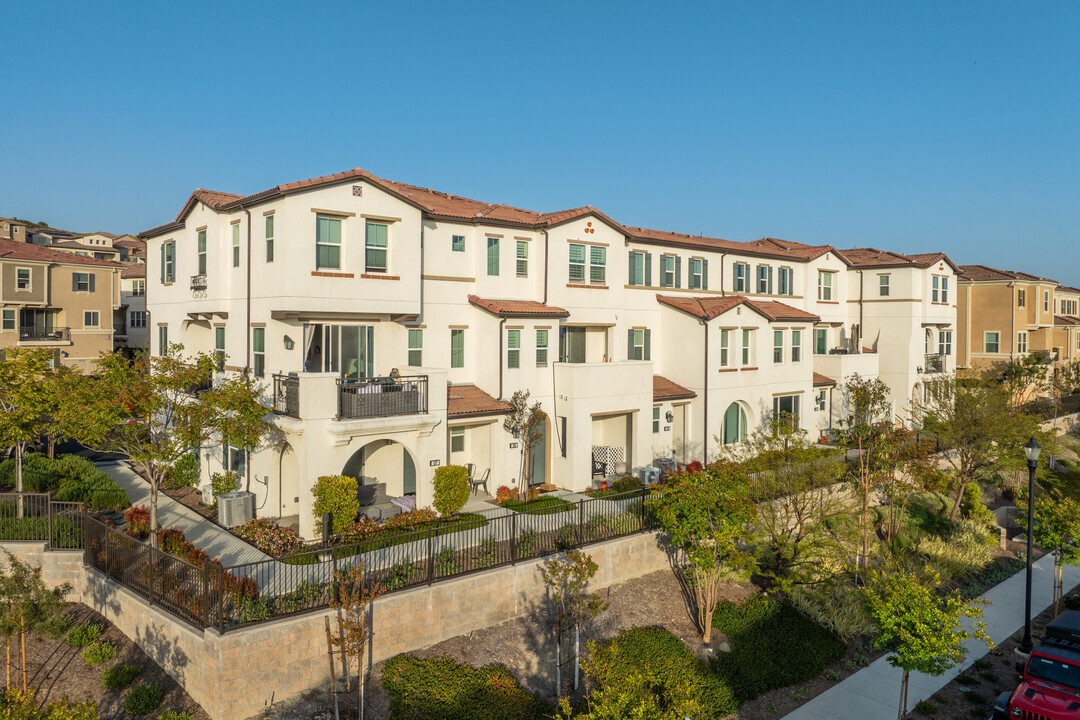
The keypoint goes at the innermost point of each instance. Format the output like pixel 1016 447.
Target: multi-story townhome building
pixel 391 324
pixel 131 321
pixel 1066 334
pixel 131 249
pixel 1003 315
pixel 58 300
pixel 12 230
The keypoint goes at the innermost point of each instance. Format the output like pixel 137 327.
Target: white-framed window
pixel 200 254
pixel 82 282
pixel 747 347
pixel 785 281
pixel 138 288
pixel 327 242
pixel 639 268
pixel 219 346
pixel 945 342
pixel 597 265
pixel 236 244
pixel 268 221
pixel 796 346
pixel 233 459
pixel 1022 342
pixel 825 285
pixel 1021 297
pixel 656 419
pixel 787 405
pixel 883 285
pixel 778 346
pixel 741 277
pixel 638 342
pixel 577 263
pixel 939 289
pixel 457 243
pixel 457 440
pixel 416 347
pixel 944 289
pixel 991 342
pixel 541 348
pixel 513 349
pixel 258 351
pixel 669 270
pixel 457 347
pixel 9 320
pixel 137 318
pixel 764 280
pixel 698 277
pixel 1046 301
pixel 376 247
pixel 725 342
pixel 493 256
pixel 163 339
pixel 734 425
pixel 820 400
pixel 821 341
pixel 522 264
pixel 22 279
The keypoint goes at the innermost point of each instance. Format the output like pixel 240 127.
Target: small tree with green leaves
pixel 1057 528
pixel 567 579
pixel 1025 378
pixel 450 488
pixel 28 400
pixel 353 597
pixel 704 515
pixel 27 605
pixel 920 629
pixel 526 423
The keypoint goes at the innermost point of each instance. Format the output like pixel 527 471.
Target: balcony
pixel 382 397
pixel 44 334
pixel 198 282
pixel 119 329
pixel 287 395
pixel 934 363
pixel 839 366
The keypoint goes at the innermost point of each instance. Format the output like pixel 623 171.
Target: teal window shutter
pixel 630 344
pixel 162 263
pixel 647 338
pixel 632 265
pixel 704 274
pixel 678 271
pixel 648 269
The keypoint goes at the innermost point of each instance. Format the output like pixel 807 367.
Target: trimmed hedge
pixel 73 478
pixel 774 646
pixel 540 506
pixel 443 689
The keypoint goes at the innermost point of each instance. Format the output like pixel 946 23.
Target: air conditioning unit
pixel 235 508
pixel 649 475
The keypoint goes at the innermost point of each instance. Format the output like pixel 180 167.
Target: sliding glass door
pixel 348 350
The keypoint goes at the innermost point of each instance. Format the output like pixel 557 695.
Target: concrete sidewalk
pixel 873 693
pixel 216 540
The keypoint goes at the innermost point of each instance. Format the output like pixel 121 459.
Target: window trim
pixel 747 347
pixel 29 279
pixel 375 248
pixel 513 348
pixel 494 259
pixel 457 433
pixel 4 319
pixel 95 316
pixel 457 332
pixel 235 243
pixel 258 357
pixel 740 277
pixel 825 289
pixel 997 342
pixel 656 419
pixel 884 285
pixel 542 347
pixel 329 245
pixel 521 257
pixel 454 243
pixel 1021 341
pixel 778 349
pixel 725 342
pixel 796 346
pixel 268 234
pixel 419 348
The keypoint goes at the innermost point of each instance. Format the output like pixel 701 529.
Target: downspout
pixel 705 408
pixel 247 343
pixel 502 322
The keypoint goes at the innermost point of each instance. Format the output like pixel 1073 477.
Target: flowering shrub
pixel 504 493
pixel 269 537
pixel 359 531
pixel 412 520
pixel 695 468
pixel 137 519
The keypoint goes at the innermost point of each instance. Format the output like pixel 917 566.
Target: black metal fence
pixel 382 396
pixel 34 333
pixel 287 395
pixel 36 517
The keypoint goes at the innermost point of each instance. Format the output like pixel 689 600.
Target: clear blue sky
pixel 912 126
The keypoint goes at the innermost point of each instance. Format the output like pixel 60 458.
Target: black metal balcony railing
pixel 287 395
pixel 119 329
pixel 41 334
pixel 198 282
pixel 934 363
pixel 382 396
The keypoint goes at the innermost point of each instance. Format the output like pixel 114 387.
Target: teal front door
pixel 537 463
pixel 408 474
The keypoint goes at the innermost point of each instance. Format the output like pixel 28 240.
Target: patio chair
pixel 474 485
pixel 471 467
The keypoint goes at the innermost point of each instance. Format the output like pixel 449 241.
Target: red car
pixel 1050 683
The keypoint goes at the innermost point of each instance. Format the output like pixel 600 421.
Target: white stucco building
pixel 639 344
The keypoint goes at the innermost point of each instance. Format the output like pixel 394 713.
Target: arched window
pixel 734 424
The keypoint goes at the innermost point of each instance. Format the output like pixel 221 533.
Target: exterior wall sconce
pixel 670 416
pixel 289 344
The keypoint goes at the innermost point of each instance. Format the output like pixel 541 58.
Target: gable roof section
pixel 984 273
pixel 133 270
pixel 471 401
pixel 15 250
pixel 518 308
pixel 708 308
pixel 874 258
pixel 664 389
pixel 822 380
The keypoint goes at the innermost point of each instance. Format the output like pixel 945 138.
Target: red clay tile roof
pixel 1066 320
pixel 710 307
pixel 15 250
pixel 518 308
pixel 822 381
pixel 1067 289
pixel 874 258
pixel 133 270
pixel 467 400
pixel 983 273
pixel 664 389
pixel 129 242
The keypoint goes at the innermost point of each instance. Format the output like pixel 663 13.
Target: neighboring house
pixel 58 300
pixel 131 322
pixel 131 248
pixel 637 343
pixel 1066 338
pixel 49 236
pixel 12 230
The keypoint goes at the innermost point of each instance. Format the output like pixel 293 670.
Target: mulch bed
pixel 58 670
pixel 191 498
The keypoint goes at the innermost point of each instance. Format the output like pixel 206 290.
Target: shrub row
pixel 270 537
pixel 72 478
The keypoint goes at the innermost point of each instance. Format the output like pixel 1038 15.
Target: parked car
pixel 37 446
pixel 1050 678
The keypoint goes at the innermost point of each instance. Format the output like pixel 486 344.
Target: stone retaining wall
pixel 236 675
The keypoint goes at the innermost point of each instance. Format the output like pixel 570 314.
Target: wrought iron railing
pixel 43 334
pixel 934 363
pixel 382 396
pixel 198 282
pixel 287 395
pixel 119 328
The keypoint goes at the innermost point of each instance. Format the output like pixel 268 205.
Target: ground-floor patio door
pixel 678 433
pixel 538 459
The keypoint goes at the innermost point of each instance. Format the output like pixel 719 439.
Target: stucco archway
pixel 384 462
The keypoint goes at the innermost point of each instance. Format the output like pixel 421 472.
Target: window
pixel 656 419
pixel 778 346
pixel 1021 296
pixel 202 251
pixel 327 243
pixel 163 339
pixel 786 281
pixel 138 288
pixel 734 430
pixel 416 347
pixel 1021 342
pixel 577 263
pixel 9 320
pixel 764 279
pixel 513 349
pixel 22 279
pixel 819 400
pixel 637 345
pixel 522 258
pixel 82 282
pixel 137 318
pixel 236 244
pixel 269 222
pixel 945 342
pixel 375 247
pixel 824 286
pixel 746 349
pixel 796 346
pixel 786 406
pixel 821 341
pixel 699 271
pixel 597 265
pixel 940 289
pixel 457 440
pixel 741 282
pixel 725 340
pixel 639 269
pixel 258 351
pixel 991 342
pixel 541 348
pixel 669 271
pixel 219 347
pixel 457 243
pixel 883 285
pixel 1046 301
pixel 232 459
pixel 493 256
pixel 457 348
pixel 944 289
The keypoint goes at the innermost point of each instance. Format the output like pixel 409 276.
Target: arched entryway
pixel 735 424
pixel 384 463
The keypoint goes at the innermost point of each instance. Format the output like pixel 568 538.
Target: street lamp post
pixel 1031 452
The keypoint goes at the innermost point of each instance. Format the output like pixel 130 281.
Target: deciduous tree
pixel 526 423
pixel 26 605
pixel 28 400
pixel 354 595
pixel 567 579
pixel 1057 529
